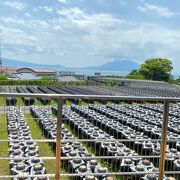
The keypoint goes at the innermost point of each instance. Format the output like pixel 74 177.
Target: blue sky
pixel 77 33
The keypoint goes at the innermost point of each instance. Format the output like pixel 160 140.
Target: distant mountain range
pixel 123 65
pixel 20 64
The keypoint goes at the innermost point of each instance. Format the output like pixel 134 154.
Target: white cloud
pixel 15 5
pixel 158 10
pixel 62 1
pixel 85 20
pixel 75 37
pixel 15 38
pixel 73 31
pixel 31 23
pixel 46 9
pixel 27 14
pixel 101 36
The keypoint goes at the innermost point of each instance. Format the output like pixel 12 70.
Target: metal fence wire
pixel 89 137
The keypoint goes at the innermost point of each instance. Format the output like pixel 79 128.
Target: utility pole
pixel 0 51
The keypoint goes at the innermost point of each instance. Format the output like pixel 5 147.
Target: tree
pixel 157 69
pixel 134 74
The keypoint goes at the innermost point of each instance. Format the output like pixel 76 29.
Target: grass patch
pixel 20 102
pixel 97 103
pixel 53 102
pixel 4 164
pixel 109 103
pixel 4 168
pixel 37 102
pixel 2 101
pixel 68 103
pixel 83 103
pixel 44 148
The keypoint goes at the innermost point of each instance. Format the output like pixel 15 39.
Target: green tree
pixel 157 69
pixel 134 74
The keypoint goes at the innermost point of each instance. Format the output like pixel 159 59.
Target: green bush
pixel 135 76
pixel 3 76
pixel 40 82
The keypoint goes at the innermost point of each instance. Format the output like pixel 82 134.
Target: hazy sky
pixel 78 33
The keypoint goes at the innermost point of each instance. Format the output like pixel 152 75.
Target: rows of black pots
pixel 27 100
pixel 80 161
pixel 151 117
pixel 10 101
pixel 34 90
pixel 174 109
pixel 24 154
pixel 108 147
pixel 135 88
pixel 125 132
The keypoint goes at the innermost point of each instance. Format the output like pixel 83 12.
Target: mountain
pixel 17 63
pixel 123 65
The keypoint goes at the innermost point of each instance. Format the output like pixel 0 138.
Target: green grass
pixel 4 164
pixel 2 101
pixel 82 103
pixel 68 103
pixel 20 102
pixel 97 103
pixel 53 102
pixel 37 102
pixel 109 103
pixel 45 149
